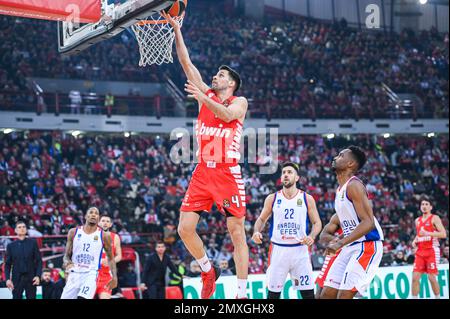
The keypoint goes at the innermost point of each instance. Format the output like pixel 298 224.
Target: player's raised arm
pixel 262 219
pixel 357 193
pixel 314 217
pixel 112 264
pixel 67 259
pixel 329 230
pixel 189 68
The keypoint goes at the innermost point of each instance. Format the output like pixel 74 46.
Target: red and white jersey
pixel 426 242
pixel 105 269
pixel 218 142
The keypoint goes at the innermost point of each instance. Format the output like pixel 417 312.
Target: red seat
pixel 128 293
pixel 174 292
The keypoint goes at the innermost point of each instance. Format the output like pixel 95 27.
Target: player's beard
pixel 333 166
pixel 288 185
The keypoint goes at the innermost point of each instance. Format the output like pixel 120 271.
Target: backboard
pixel 74 37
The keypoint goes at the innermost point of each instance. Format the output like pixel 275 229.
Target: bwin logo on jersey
pixel 299 202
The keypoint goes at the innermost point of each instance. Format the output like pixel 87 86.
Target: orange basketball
pixel 177 8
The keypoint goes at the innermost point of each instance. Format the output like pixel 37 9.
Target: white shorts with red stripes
pixel 356 266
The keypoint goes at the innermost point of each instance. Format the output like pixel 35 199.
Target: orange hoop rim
pixel 144 22
pixel 163 21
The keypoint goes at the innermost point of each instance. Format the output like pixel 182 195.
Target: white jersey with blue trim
pixel 348 217
pixel 289 220
pixel 87 250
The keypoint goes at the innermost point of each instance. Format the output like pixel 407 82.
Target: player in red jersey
pixel 104 274
pixel 217 178
pixel 329 259
pixel 429 228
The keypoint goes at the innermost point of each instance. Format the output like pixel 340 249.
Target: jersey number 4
pixel 235 200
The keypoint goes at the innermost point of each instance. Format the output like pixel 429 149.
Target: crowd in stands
pixel 295 67
pixel 49 179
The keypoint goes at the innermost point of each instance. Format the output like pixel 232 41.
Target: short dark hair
pixel 359 155
pixel 160 242
pixel 46 270
pixel 425 198
pixel 21 222
pixel 291 164
pixel 234 75
pixel 105 215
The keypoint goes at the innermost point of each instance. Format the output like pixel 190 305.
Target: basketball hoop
pixel 155 37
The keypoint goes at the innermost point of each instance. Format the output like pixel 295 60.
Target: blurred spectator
pixel 194 269
pixel 109 103
pixel 47 284
pixel 59 285
pixel 6 230
pixel 128 278
pixel 399 259
pixel 223 264
pixel 75 101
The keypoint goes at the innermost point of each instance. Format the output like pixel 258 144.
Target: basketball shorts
pixel 329 260
pixel 355 266
pixel 80 284
pixel 426 261
pixel 102 280
pixel 222 185
pixel 294 261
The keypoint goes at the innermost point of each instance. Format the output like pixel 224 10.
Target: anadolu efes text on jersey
pixel 217 140
pixel 289 220
pixel 87 250
pixel 348 217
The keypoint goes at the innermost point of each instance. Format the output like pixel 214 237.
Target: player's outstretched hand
pixel 257 238
pixel 194 91
pixel 112 283
pixel 174 23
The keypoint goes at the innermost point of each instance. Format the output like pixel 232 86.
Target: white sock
pixel 437 296
pixel 204 263
pixel 242 288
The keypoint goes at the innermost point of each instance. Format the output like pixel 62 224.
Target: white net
pixel 155 37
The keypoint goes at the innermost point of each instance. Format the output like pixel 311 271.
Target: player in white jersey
pixel 83 258
pixel 290 211
pixel 361 248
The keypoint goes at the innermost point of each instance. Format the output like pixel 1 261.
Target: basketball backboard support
pixel 74 37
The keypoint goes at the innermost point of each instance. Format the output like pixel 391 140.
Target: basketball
pixel 177 8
